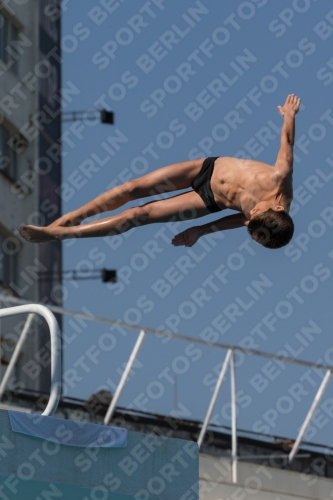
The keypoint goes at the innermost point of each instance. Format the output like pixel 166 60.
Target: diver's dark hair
pixel 272 228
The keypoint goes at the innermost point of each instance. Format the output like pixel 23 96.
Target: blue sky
pixel 186 80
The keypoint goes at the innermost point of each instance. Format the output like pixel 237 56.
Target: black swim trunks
pixel 202 185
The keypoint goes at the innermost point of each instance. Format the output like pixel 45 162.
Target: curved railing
pixel 43 311
pixel 143 331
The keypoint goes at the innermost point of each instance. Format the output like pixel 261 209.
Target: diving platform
pixel 44 457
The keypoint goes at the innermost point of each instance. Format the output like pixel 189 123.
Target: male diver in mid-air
pixel 261 193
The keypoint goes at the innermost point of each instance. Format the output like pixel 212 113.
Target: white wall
pixel 258 482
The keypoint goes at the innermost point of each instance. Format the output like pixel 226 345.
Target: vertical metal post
pixel 175 397
pixel 310 414
pixel 16 353
pixel 214 398
pixel 233 420
pixel 123 380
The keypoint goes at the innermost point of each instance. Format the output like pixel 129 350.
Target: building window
pixel 12 144
pixel 8 154
pixel 8 35
pixel 8 251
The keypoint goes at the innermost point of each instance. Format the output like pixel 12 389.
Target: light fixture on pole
pixel 106 275
pixel 106 116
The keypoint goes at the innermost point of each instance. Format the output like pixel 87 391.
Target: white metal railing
pixel 124 377
pixel 229 361
pixel 31 310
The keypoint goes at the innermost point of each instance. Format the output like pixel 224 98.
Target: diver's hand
pixel 187 237
pixel 291 105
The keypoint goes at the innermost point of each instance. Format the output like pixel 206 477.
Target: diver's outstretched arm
pixel 191 235
pixel 284 162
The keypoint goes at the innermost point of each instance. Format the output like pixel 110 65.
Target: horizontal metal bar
pixel 75 118
pixel 81 111
pixel 160 333
pixel 70 271
pixel 272 455
pixel 72 278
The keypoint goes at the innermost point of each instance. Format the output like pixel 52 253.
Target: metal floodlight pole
pixel 123 380
pixel 214 398
pixel 310 414
pixel 233 420
pixel 16 353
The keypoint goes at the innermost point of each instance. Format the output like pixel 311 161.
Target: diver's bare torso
pixel 239 184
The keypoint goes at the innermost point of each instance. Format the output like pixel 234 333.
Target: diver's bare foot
pixel 35 234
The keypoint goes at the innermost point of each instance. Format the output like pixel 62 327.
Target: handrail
pixel 234 451
pixel 161 333
pixel 123 380
pixel 55 348
pixel 310 414
pixel 232 349
pixel 16 353
pixel 214 397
